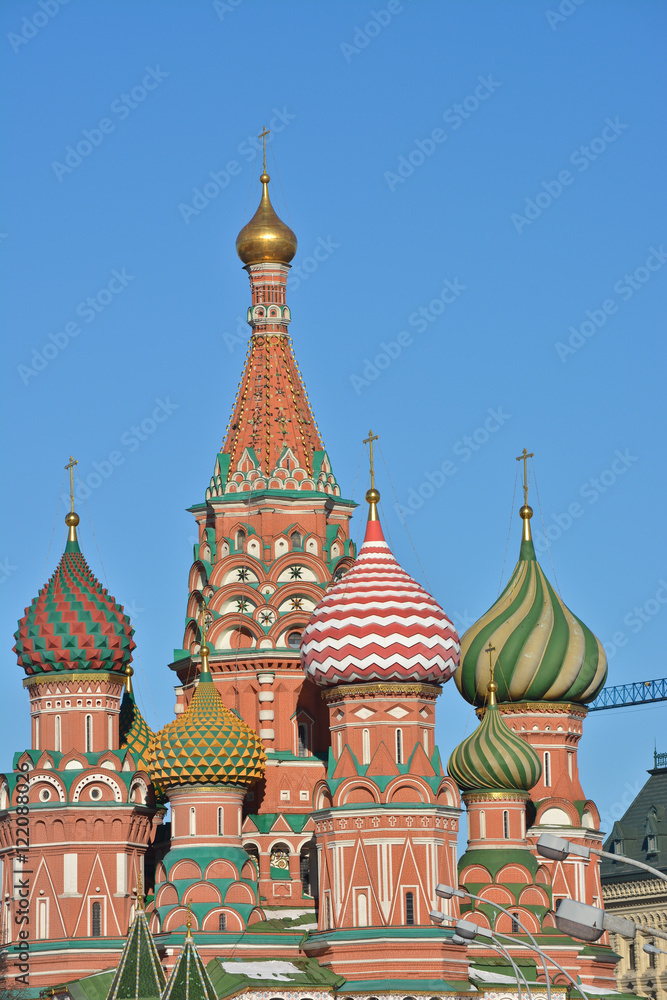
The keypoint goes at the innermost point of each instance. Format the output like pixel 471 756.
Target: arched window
pixel 426 742
pixel 222 922
pixel 570 763
pixel 399 746
pixel 362 910
pixel 632 958
pixel 327 910
pixel 506 824
pixel 110 730
pixel 304 870
pixel 339 743
pixel 546 770
pixel 366 747
pixel 515 923
pixel 37 734
pixel 297 540
pixel 221 821
pixel 482 825
pixel 193 821
pixel 89 734
pixel 57 739
pixel 96 920
pixel 409 907
pixel 42 921
pixel 240 540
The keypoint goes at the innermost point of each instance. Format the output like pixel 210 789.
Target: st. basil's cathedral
pixel 311 814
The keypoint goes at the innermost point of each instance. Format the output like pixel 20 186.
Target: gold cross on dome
pixel 524 456
pixel 72 462
pixel 262 135
pixel 490 650
pixel 369 441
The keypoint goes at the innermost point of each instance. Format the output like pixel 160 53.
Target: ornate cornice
pixel 482 795
pixel 58 676
pixel 538 707
pixel 393 688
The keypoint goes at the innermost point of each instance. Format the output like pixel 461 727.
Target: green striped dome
pixel 542 651
pixel 494 758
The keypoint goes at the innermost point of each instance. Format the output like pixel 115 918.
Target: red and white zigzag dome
pixel 378 624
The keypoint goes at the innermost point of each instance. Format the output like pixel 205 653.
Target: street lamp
pixel 652 950
pixel 557 849
pixel 590 922
pixel 447 891
pixel 460 937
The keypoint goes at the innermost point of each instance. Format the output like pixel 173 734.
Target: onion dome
pixel 494 757
pixel 544 652
pixel 134 733
pixel 208 744
pixel 377 623
pixel 266 237
pixel 73 624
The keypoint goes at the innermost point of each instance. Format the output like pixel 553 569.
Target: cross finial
pixel 70 465
pixel 188 922
pixel 369 441
pixel 492 687
pixel 524 456
pixel 490 650
pixel 204 612
pixel 140 892
pixel 262 135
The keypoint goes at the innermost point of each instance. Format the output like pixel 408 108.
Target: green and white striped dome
pixel 543 652
pixel 494 757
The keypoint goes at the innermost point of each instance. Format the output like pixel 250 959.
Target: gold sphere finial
pixel 72 519
pixel 264 178
pixel 526 512
pixel 373 496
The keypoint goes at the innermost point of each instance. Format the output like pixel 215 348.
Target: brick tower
pixel 273 533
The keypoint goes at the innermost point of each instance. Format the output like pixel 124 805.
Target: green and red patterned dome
pixel 208 744
pixel 543 651
pixel 73 624
pixel 494 758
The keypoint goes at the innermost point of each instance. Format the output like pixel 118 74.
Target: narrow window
pixel 193 821
pixel 302 740
pixel 515 923
pixel 96 922
pixel 362 910
pixel 409 907
pixel 222 922
pixel 632 957
pixel 297 541
pixel 506 824
pixel 399 746
pixel 482 825
pixel 366 747
pixel 547 769
pixel 240 539
pixel 426 742
pixel 57 736
pixel 570 764
pixel 651 956
pixel 37 734
pixel 339 742
pixel 221 822
pixel 327 910
pixel 42 923
pixel 89 734
pixel 110 731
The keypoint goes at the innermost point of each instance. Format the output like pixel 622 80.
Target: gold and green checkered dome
pixel 208 744
pixel 494 758
pixel 133 730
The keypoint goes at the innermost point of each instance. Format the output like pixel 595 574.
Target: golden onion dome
pixel 207 744
pixel 266 237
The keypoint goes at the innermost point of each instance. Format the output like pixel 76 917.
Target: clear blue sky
pixel 478 179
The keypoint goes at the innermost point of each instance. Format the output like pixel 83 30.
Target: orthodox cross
pixel 72 462
pixel 369 441
pixel 140 892
pixel 204 613
pixel 262 135
pixel 525 456
pixel 188 922
pixel 490 650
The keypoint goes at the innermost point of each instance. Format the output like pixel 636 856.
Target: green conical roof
pixel 134 732
pixel 494 758
pixel 543 651
pixel 139 975
pixel 189 979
